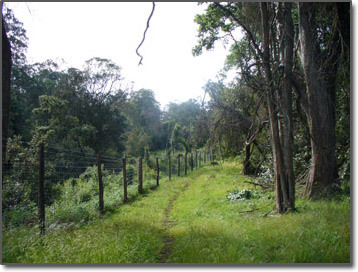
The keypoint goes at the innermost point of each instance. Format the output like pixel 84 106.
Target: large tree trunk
pixel 280 180
pixel 321 107
pixel 286 101
pixel 6 76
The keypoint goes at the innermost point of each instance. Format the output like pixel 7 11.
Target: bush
pixel 23 215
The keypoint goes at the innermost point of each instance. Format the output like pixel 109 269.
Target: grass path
pixel 190 220
pixel 168 239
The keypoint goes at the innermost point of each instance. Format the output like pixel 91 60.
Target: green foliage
pixel 177 138
pixel 137 142
pixel 182 125
pixel 52 117
pixel 78 200
pixel 16 34
pixel 19 187
pixel 144 115
pixel 74 108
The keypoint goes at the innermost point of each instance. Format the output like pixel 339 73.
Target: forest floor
pixel 192 220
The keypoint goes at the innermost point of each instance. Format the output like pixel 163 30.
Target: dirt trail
pixel 168 240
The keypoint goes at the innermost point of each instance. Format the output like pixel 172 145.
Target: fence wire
pixel 21 170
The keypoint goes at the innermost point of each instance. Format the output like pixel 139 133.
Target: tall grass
pixel 211 229
pixel 206 226
pixel 131 234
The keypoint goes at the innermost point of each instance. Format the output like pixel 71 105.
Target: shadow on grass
pixel 201 245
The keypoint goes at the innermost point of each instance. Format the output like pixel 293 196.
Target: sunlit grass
pixel 211 229
pixel 133 234
pixel 206 226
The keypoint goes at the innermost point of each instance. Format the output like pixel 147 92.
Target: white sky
pixel 76 32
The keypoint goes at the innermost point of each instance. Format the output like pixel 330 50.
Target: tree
pixel 261 43
pixel 29 82
pixel 185 115
pixel 6 84
pixel 14 46
pixel 177 138
pixel 81 109
pixel 137 142
pixel 266 58
pixel 322 43
pixel 143 113
pixel 96 99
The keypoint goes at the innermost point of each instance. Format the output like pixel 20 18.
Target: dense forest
pixel 285 116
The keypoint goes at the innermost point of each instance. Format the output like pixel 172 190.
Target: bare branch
pixel 150 16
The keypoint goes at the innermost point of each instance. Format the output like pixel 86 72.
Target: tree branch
pixel 150 16
pixel 249 33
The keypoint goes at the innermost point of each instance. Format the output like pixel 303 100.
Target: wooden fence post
pixel 200 159
pixel 191 161
pixel 140 175
pixel 186 163
pixel 100 184
pixel 125 194
pixel 170 168
pixel 196 159
pixel 157 171
pixel 41 192
pixel 179 165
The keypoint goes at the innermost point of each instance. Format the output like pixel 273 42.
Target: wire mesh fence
pixel 84 178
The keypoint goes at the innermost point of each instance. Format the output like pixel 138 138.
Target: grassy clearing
pixel 206 227
pixel 211 229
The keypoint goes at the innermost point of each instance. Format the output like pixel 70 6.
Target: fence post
pixel 196 159
pixel 100 184
pixel 179 165
pixel 125 194
pixel 140 175
pixel 170 168
pixel 186 163
pixel 200 159
pixel 41 192
pixel 157 171
pixel 191 161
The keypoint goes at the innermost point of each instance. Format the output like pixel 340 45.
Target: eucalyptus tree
pixel 324 38
pixel 259 26
pixel 285 48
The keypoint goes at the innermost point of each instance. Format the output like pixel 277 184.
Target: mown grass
pixel 206 227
